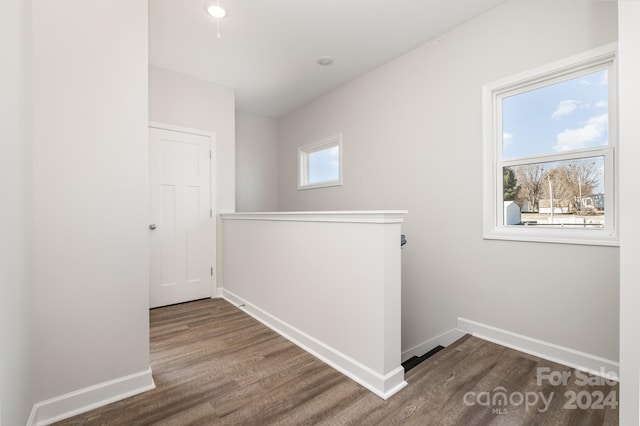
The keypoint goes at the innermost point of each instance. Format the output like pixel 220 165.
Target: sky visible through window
pixel 562 117
pixel 565 116
pixel 324 165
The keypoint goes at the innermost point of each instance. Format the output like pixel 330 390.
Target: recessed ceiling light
pixel 216 11
pixel 324 60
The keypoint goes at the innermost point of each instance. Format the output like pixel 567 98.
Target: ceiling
pixel 268 49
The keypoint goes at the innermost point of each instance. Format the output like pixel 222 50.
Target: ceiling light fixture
pixel 324 61
pixel 217 12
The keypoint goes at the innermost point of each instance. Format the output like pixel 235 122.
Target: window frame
pixel 303 162
pixel 588 62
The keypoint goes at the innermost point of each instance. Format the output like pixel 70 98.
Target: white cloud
pixel 605 78
pixel 602 104
pixel 591 131
pixel 506 138
pixel 565 107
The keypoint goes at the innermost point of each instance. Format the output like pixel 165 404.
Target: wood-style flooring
pixel 215 365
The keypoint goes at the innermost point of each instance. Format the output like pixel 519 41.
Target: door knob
pixel 152 226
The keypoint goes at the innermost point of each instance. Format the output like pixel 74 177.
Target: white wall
pixel 90 193
pixel 16 395
pixel 186 101
pixel 629 104
pixel 256 163
pixel 412 139
pixel 329 282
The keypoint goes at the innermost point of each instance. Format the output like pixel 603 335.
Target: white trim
pixel 603 57
pixel 213 189
pixel 164 126
pixel 382 385
pixel 82 400
pixel 554 70
pixel 579 360
pixel 303 162
pixel 444 339
pixel 373 216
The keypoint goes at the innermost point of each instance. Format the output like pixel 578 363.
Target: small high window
pixel 320 163
pixel 549 146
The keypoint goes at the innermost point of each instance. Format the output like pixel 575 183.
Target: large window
pixel 549 153
pixel 320 163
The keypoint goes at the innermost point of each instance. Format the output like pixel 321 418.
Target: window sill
pixel 320 185
pixel 564 236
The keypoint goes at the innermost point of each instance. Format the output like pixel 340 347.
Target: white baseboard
pixel 552 352
pixel 82 400
pixel 383 385
pixel 444 339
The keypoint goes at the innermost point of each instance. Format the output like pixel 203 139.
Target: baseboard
pixel 579 360
pixel 444 339
pixel 382 385
pixel 82 400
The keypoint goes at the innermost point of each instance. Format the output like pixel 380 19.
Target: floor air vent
pixel 413 361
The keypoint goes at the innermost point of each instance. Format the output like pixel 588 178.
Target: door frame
pixel 213 204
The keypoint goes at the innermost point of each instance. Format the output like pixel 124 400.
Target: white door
pixel 181 226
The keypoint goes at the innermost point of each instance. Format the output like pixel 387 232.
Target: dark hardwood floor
pixel 215 365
